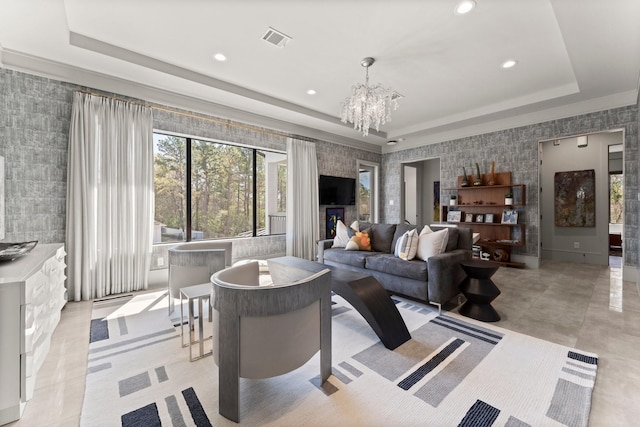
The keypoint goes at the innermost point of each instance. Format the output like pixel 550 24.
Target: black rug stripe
pixel 430 365
pixel 195 407
pixel 147 416
pixel 462 331
pixel 99 330
pixel 492 334
pixel 582 358
pixel 481 414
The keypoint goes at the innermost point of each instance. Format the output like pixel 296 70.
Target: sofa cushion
pixel 452 240
pixel 432 242
pixel 381 237
pixel 361 225
pixel 359 242
pixel 353 258
pixel 407 245
pixel 388 263
pixel 401 229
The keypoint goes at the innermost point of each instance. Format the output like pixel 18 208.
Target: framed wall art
pixel 454 216
pixel 575 198
pixel 333 216
pixel 509 216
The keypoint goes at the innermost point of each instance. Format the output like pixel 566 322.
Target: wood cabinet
pixel 32 294
pixel 482 208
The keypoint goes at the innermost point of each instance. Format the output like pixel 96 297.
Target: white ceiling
pixel 574 56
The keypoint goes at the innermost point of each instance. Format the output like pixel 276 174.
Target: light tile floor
pixel 578 305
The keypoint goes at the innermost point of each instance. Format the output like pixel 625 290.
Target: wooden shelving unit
pixel 495 238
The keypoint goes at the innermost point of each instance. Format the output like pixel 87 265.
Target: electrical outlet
pixel 160 262
pixel 576 245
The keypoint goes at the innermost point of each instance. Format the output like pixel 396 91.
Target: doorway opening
pixel 616 202
pixel 600 240
pixel 367 194
pixel 420 192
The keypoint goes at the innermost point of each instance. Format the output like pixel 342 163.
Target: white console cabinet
pixel 32 294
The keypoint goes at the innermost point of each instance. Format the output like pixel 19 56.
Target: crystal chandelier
pixel 369 105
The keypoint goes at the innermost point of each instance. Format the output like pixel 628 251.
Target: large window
pixel 233 191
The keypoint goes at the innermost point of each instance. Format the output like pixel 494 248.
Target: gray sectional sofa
pixel 435 281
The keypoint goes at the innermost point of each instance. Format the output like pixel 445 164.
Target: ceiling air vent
pixel 275 37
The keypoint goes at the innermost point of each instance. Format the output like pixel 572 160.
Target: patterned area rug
pixel 454 371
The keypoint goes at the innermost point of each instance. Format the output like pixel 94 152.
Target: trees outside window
pixel 616 193
pixel 233 190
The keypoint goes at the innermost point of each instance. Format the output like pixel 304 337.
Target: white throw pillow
pixel 426 230
pixel 407 245
pixel 342 235
pixel 432 243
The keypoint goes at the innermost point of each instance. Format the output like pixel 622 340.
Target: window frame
pixel 255 152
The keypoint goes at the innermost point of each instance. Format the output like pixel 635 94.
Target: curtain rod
pixel 226 122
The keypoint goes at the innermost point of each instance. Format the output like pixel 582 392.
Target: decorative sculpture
pixel 478 181
pixel 465 180
pixel 492 179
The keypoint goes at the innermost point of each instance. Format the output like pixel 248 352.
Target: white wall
pixel 559 243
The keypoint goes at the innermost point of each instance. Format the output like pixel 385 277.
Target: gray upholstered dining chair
pixel 193 263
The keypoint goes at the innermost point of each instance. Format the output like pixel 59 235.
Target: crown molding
pixel 42 67
pixel 604 103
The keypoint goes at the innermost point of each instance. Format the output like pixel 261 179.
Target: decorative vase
pixel 465 180
pixel 492 179
pixel 478 181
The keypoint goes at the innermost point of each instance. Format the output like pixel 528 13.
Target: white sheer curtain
pixel 109 197
pixel 302 199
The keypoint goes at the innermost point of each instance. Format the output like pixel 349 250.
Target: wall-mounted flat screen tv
pixel 336 190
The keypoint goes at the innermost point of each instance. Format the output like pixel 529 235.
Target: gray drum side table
pixel 191 293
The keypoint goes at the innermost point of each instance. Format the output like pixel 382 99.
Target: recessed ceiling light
pixel 464 6
pixel 311 92
pixel 220 57
pixel 394 141
pixel 509 63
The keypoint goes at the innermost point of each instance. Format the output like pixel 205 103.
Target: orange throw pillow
pixel 359 242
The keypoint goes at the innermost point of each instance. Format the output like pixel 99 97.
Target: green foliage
pixel 222 190
pixel 616 196
pixel 169 183
pixel 364 200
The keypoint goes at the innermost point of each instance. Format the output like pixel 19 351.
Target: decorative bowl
pixel 11 251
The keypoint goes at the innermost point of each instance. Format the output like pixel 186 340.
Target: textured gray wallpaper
pixel 34 135
pixel 34 128
pixel 516 150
